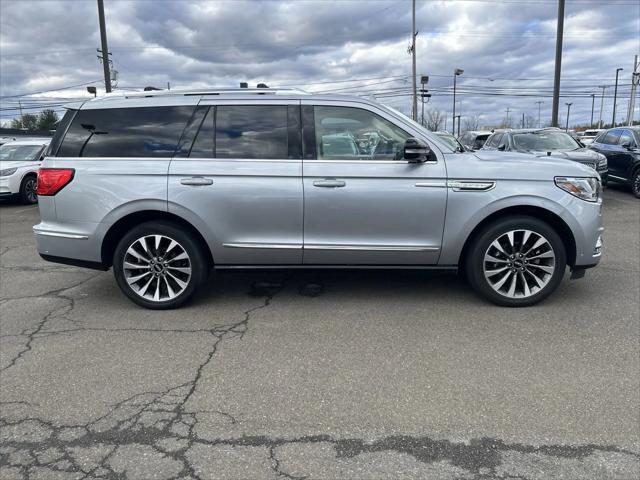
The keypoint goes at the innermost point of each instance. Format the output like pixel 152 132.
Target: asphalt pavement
pixel 319 374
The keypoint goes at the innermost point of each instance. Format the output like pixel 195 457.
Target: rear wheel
pixel 28 190
pixel 516 261
pixel 159 266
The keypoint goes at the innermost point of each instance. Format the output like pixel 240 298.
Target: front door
pixel 240 181
pixel 363 203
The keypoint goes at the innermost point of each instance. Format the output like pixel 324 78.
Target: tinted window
pixel 627 137
pixel 203 145
pixel 60 130
pixel 344 133
pixel 479 141
pixel 611 137
pixel 544 140
pixel 251 131
pixel 126 132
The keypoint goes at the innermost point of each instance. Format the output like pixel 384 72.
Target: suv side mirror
pixel 416 151
pixel 502 147
pixel 626 145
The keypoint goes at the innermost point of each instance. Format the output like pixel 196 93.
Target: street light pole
pixel 601 104
pixel 568 110
pixel 593 102
pixel 615 97
pixel 456 72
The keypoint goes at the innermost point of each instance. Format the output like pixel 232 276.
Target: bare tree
pixel 530 121
pixel 507 122
pixel 472 122
pixel 433 119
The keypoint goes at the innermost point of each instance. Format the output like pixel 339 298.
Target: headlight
pixel 7 171
pixel 585 188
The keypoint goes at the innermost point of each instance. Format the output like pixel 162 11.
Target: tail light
pixel 52 180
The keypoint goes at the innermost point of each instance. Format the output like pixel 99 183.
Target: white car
pixel 19 164
pixel 588 136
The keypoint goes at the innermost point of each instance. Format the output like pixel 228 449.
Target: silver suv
pixel 165 186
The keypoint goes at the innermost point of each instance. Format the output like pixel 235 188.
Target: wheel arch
pixel 547 216
pixel 124 224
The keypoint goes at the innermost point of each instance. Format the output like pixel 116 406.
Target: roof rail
pixel 202 92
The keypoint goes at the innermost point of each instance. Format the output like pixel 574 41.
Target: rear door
pixel 238 177
pixel 625 154
pixel 364 203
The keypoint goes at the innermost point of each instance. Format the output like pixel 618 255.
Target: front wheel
pixel 635 183
pixel 516 261
pixel 159 266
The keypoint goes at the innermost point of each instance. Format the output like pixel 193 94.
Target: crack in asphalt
pixel 31 333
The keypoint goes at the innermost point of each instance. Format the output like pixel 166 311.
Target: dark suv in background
pixel 548 142
pixel 621 147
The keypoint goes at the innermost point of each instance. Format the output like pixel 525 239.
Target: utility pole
pixel 593 103
pixel 539 102
pixel 566 129
pixel 556 80
pixel 601 104
pixel 105 49
pixel 413 55
pixel 615 98
pixel 456 72
pixel 522 119
pixel 424 93
pixel 635 80
pixel 507 122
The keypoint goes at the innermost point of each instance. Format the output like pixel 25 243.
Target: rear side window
pixel 126 132
pixel 251 132
pixel 61 128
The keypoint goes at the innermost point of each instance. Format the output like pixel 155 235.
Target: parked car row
pixel 19 163
pixel 547 142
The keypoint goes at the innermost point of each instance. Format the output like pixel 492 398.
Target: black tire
pixel 196 262
pixel 635 183
pixel 27 193
pixel 475 261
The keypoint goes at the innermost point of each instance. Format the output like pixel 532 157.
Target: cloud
pixel 506 49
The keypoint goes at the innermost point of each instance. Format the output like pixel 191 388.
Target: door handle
pixel 196 181
pixel 329 183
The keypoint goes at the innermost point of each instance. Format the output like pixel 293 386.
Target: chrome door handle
pixel 329 183
pixel 196 181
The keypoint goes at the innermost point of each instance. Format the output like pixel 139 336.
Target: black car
pixel 548 142
pixel 621 147
pixel 474 140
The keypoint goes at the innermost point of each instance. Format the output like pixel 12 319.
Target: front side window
pixel 125 132
pixel 611 137
pixel 251 131
pixel 627 137
pixel 347 133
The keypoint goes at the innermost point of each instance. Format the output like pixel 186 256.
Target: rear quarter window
pixel 125 132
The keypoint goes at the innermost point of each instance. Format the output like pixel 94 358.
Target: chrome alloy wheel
pixel 519 263
pixel 157 268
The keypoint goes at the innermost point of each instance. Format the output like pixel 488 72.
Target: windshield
pixel 544 140
pixel 19 152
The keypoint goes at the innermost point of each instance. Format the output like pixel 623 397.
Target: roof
pixel 192 96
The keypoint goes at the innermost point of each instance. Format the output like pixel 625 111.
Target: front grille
pixel 590 164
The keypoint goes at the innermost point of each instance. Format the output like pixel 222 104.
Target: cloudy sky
pixel 506 49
